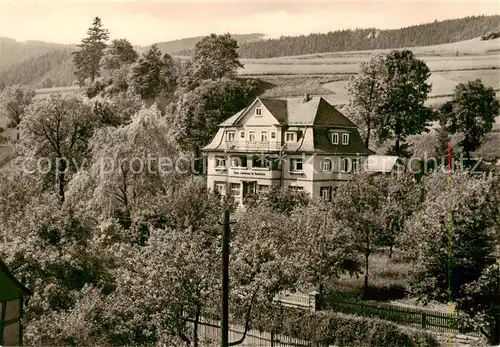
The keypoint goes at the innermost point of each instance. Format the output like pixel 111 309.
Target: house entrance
pixel 249 187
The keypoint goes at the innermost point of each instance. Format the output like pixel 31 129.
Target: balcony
pixel 253 146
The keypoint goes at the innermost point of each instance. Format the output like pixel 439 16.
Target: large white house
pixel 302 144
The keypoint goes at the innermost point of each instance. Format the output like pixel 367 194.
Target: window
pixel 273 135
pixel 220 162
pixel 251 136
pixel 258 111
pixel 345 165
pixel 220 187
pixel 230 136
pixel 296 164
pixel 242 135
pixel 260 162
pixel 335 138
pixel 327 165
pixel 289 137
pixel 325 193
pixel 235 189
pixel 239 162
pixel 263 136
pixel 345 139
pixel 263 188
pixel 355 165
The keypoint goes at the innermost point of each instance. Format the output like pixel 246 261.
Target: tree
pixel 57 129
pixel 197 113
pixel 117 110
pixel 129 167
pixel 87 59
pixel 216 56
pixel 367 93
pixel 471 112
pixel 480 303
pixel 402 112
pixel 323 249
pixel 262 263
pixel 14 101
pixel 404 197
pixel 53 253
pixel 358 206
pixel 279 199
pixel 153 74
pixel 450 236
pixel 118 53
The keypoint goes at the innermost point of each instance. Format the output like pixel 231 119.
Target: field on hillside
pixel 327 73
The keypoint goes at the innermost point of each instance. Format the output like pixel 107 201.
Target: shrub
pixel 338 329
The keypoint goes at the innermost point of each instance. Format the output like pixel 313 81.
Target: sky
pixel 146 22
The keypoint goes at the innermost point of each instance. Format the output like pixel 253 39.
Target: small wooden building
pixel 12 293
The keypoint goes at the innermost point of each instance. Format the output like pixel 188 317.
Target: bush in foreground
pixel 338 329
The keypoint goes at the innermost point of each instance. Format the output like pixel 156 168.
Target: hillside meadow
pixel 326 74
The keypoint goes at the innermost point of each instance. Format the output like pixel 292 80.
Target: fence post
pixel 424 320
pixel 272 338
pixel 314 303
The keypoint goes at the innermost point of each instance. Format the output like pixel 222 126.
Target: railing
pixel 209 335
pixel 253 145
pixel 414 317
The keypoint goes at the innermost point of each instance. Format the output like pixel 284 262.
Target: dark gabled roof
pixel 315 112
pixel 323 144
pixel 10 287
pixel 278 108
pixel 328 115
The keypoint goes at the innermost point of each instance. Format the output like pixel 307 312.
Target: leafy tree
pixel 14 101
pixel 117 110
pixel 359 206
pixel 153 73
pixel 480 303
pixel 216 56
pixel 471 112
pixel 262 263
pixel 404 196
pixel 402 112
pixel 279 199
pixel 198 113
pixel 367 93
pixel 129 164
pixel 87 59
pixel 323 249
pixel 451 236
pixel 118 53
pixel 17 189
pixel 58 129
pixel 53 253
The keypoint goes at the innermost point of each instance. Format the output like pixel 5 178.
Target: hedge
pixel 333 328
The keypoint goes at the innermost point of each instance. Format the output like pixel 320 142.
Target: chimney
pixel 307 97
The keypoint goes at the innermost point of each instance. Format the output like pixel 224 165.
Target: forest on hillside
pixel 365 39
pixel 187 44
pixel 51 69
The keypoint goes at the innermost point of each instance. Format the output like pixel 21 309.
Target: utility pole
pixel 225 280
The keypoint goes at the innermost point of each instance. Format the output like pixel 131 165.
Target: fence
pixel 432 320
pixel 209 335
pixel 417 318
